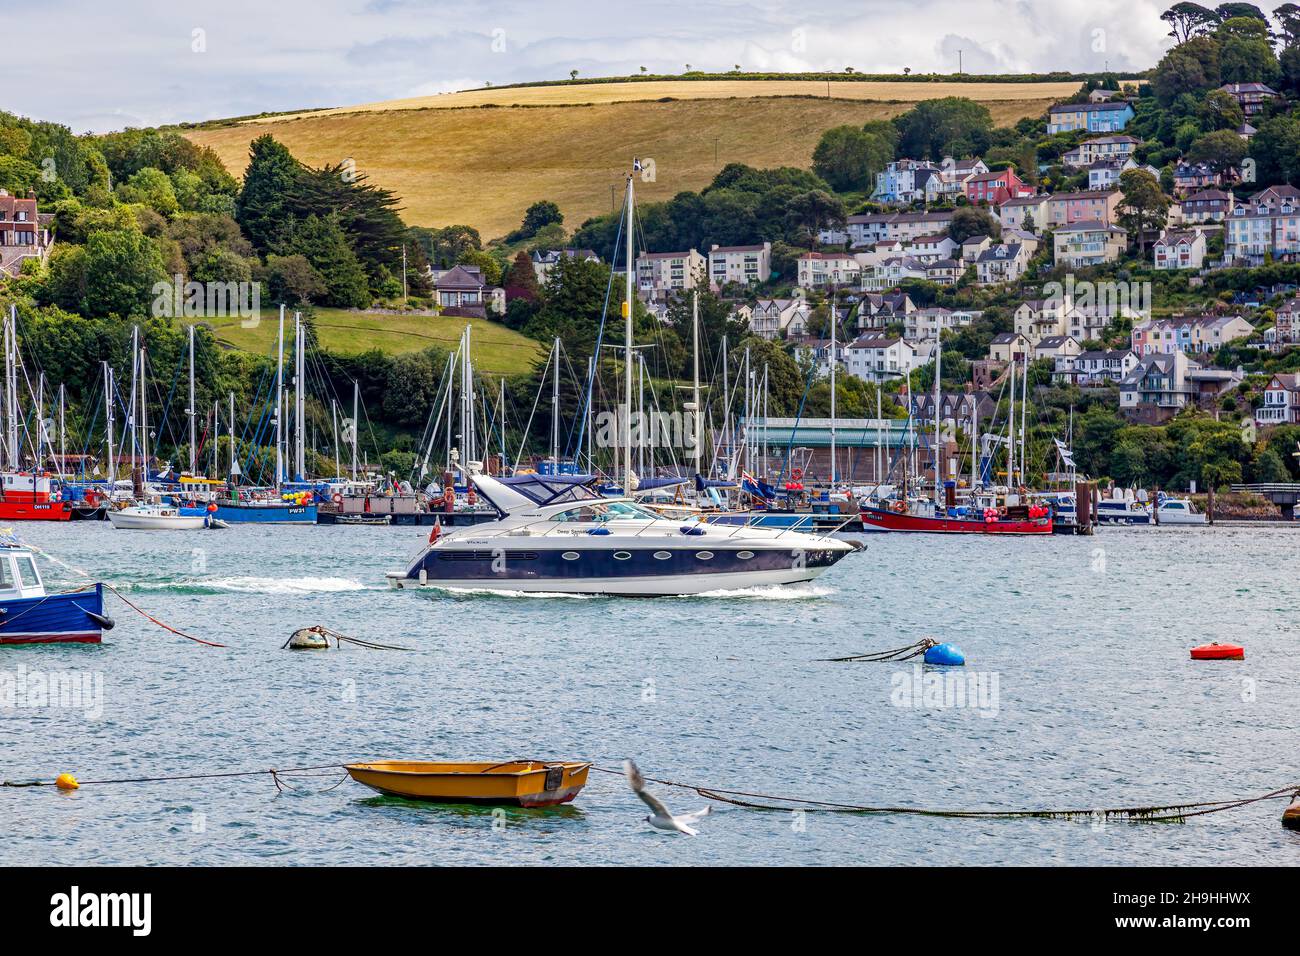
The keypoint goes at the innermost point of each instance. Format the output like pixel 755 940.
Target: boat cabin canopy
pixel 552 489
pixel 18 574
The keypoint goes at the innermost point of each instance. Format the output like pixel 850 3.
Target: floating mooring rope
pixel 897 654
pixel 149 617
pixel 1164 813
pixel 1159 813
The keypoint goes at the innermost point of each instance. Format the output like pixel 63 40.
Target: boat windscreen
pixel 552 489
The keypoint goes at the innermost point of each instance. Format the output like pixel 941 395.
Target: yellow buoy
pixel 66 781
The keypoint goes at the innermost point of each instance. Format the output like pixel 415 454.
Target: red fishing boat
pixel 1034 520
pixel 31 497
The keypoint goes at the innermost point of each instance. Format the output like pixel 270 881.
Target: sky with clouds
pixel 105 65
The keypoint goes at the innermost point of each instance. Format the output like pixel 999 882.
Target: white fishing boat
pixel 557 534
pixel 156 518
pixel 1178 511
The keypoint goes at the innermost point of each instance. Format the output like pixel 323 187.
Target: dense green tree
pixel 322 243
pixel 968 221
pixel 1246 52
pixel 1220 111
pixel 521 280
pixel 1222 150
pixel 848 157
pixel 1276 149
pixel 1144 205
pixel 1186 20
pixel 1191 67
pixel 263 208
pixel 952 125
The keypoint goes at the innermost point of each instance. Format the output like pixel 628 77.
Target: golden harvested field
pixel 569 94
pixel 463 162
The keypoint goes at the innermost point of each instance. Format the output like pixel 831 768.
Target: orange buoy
pixel 1219 652
pixel 1291 815
pixel 66 781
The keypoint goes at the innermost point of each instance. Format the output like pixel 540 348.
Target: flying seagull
pixel 661 818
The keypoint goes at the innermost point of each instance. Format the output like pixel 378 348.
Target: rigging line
pixel 600 336
pixel 523 440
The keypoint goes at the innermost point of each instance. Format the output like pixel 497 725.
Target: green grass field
pixel 497 350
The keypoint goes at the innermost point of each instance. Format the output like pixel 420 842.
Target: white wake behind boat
pixel 556 534
pixel 156 518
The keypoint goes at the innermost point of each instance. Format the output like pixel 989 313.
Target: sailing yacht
pixel 558 534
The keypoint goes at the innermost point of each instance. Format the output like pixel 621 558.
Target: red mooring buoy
pixel 1219 652
pixel 1291 815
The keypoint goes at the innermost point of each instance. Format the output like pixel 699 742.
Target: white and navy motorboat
pixel 1123 511
pixel 557 534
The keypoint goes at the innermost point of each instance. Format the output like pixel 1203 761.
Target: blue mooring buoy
pixel 947 654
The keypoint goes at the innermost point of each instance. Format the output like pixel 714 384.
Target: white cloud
pixel 133 62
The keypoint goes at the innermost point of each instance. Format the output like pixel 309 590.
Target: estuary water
pixel 1082 696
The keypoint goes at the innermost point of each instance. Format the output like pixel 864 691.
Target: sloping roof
pixel 460 277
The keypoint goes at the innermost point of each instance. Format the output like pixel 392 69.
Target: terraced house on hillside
pixel 1267 226
pixel 1109 117
pixel 660 273
pixel 743 265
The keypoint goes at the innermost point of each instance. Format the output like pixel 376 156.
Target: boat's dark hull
pixel 54 619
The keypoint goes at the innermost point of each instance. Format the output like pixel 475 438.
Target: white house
pixel 1281 401
pixel 879 359
pixel 1179 250
pixel 659 273
pixel 743 265
pixel 771 318
pixel 818 269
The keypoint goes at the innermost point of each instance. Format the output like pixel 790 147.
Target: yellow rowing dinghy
pixel 524 783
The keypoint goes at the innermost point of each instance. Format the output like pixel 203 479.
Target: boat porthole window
pixel 570 556
pixel 745 555
pixel 622 555
pixel 704 555
pixel 663 555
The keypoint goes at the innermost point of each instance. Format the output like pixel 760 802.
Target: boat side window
pixel 27 571
pixel 586 513
pixel 6 576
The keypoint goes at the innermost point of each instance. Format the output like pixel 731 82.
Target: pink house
pixel 996 187
pixel 1091 205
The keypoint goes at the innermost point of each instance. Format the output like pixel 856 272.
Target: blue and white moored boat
pixel 558 534
pixel 29 615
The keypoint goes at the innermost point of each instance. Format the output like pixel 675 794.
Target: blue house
pixel 1093 117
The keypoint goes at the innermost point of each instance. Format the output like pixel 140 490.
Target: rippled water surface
pixel 1097 704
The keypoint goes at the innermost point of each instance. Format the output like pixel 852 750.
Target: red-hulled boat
pixel 883 519
pixel 29 497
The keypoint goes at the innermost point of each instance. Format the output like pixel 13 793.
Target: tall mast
pixel 279 403
pixel 1011 428
pixel 299 407
pixel 881 457
pixel 108 405
pixel 726 403
pixel 356 398
pixel 40 422
pixel 63 433
pixel 194 452
pixel 144 419
pixel 591 371
pixel 11 386
pixel 974 443
pixel 627 339
pixel 1024 412
pixel 334 411
pixel 555 406
pixel 833 364
pixel 697 413
pixel 234 466
pixel 938 396
pixel 502 426
pixel 466 401
pixel 640 410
